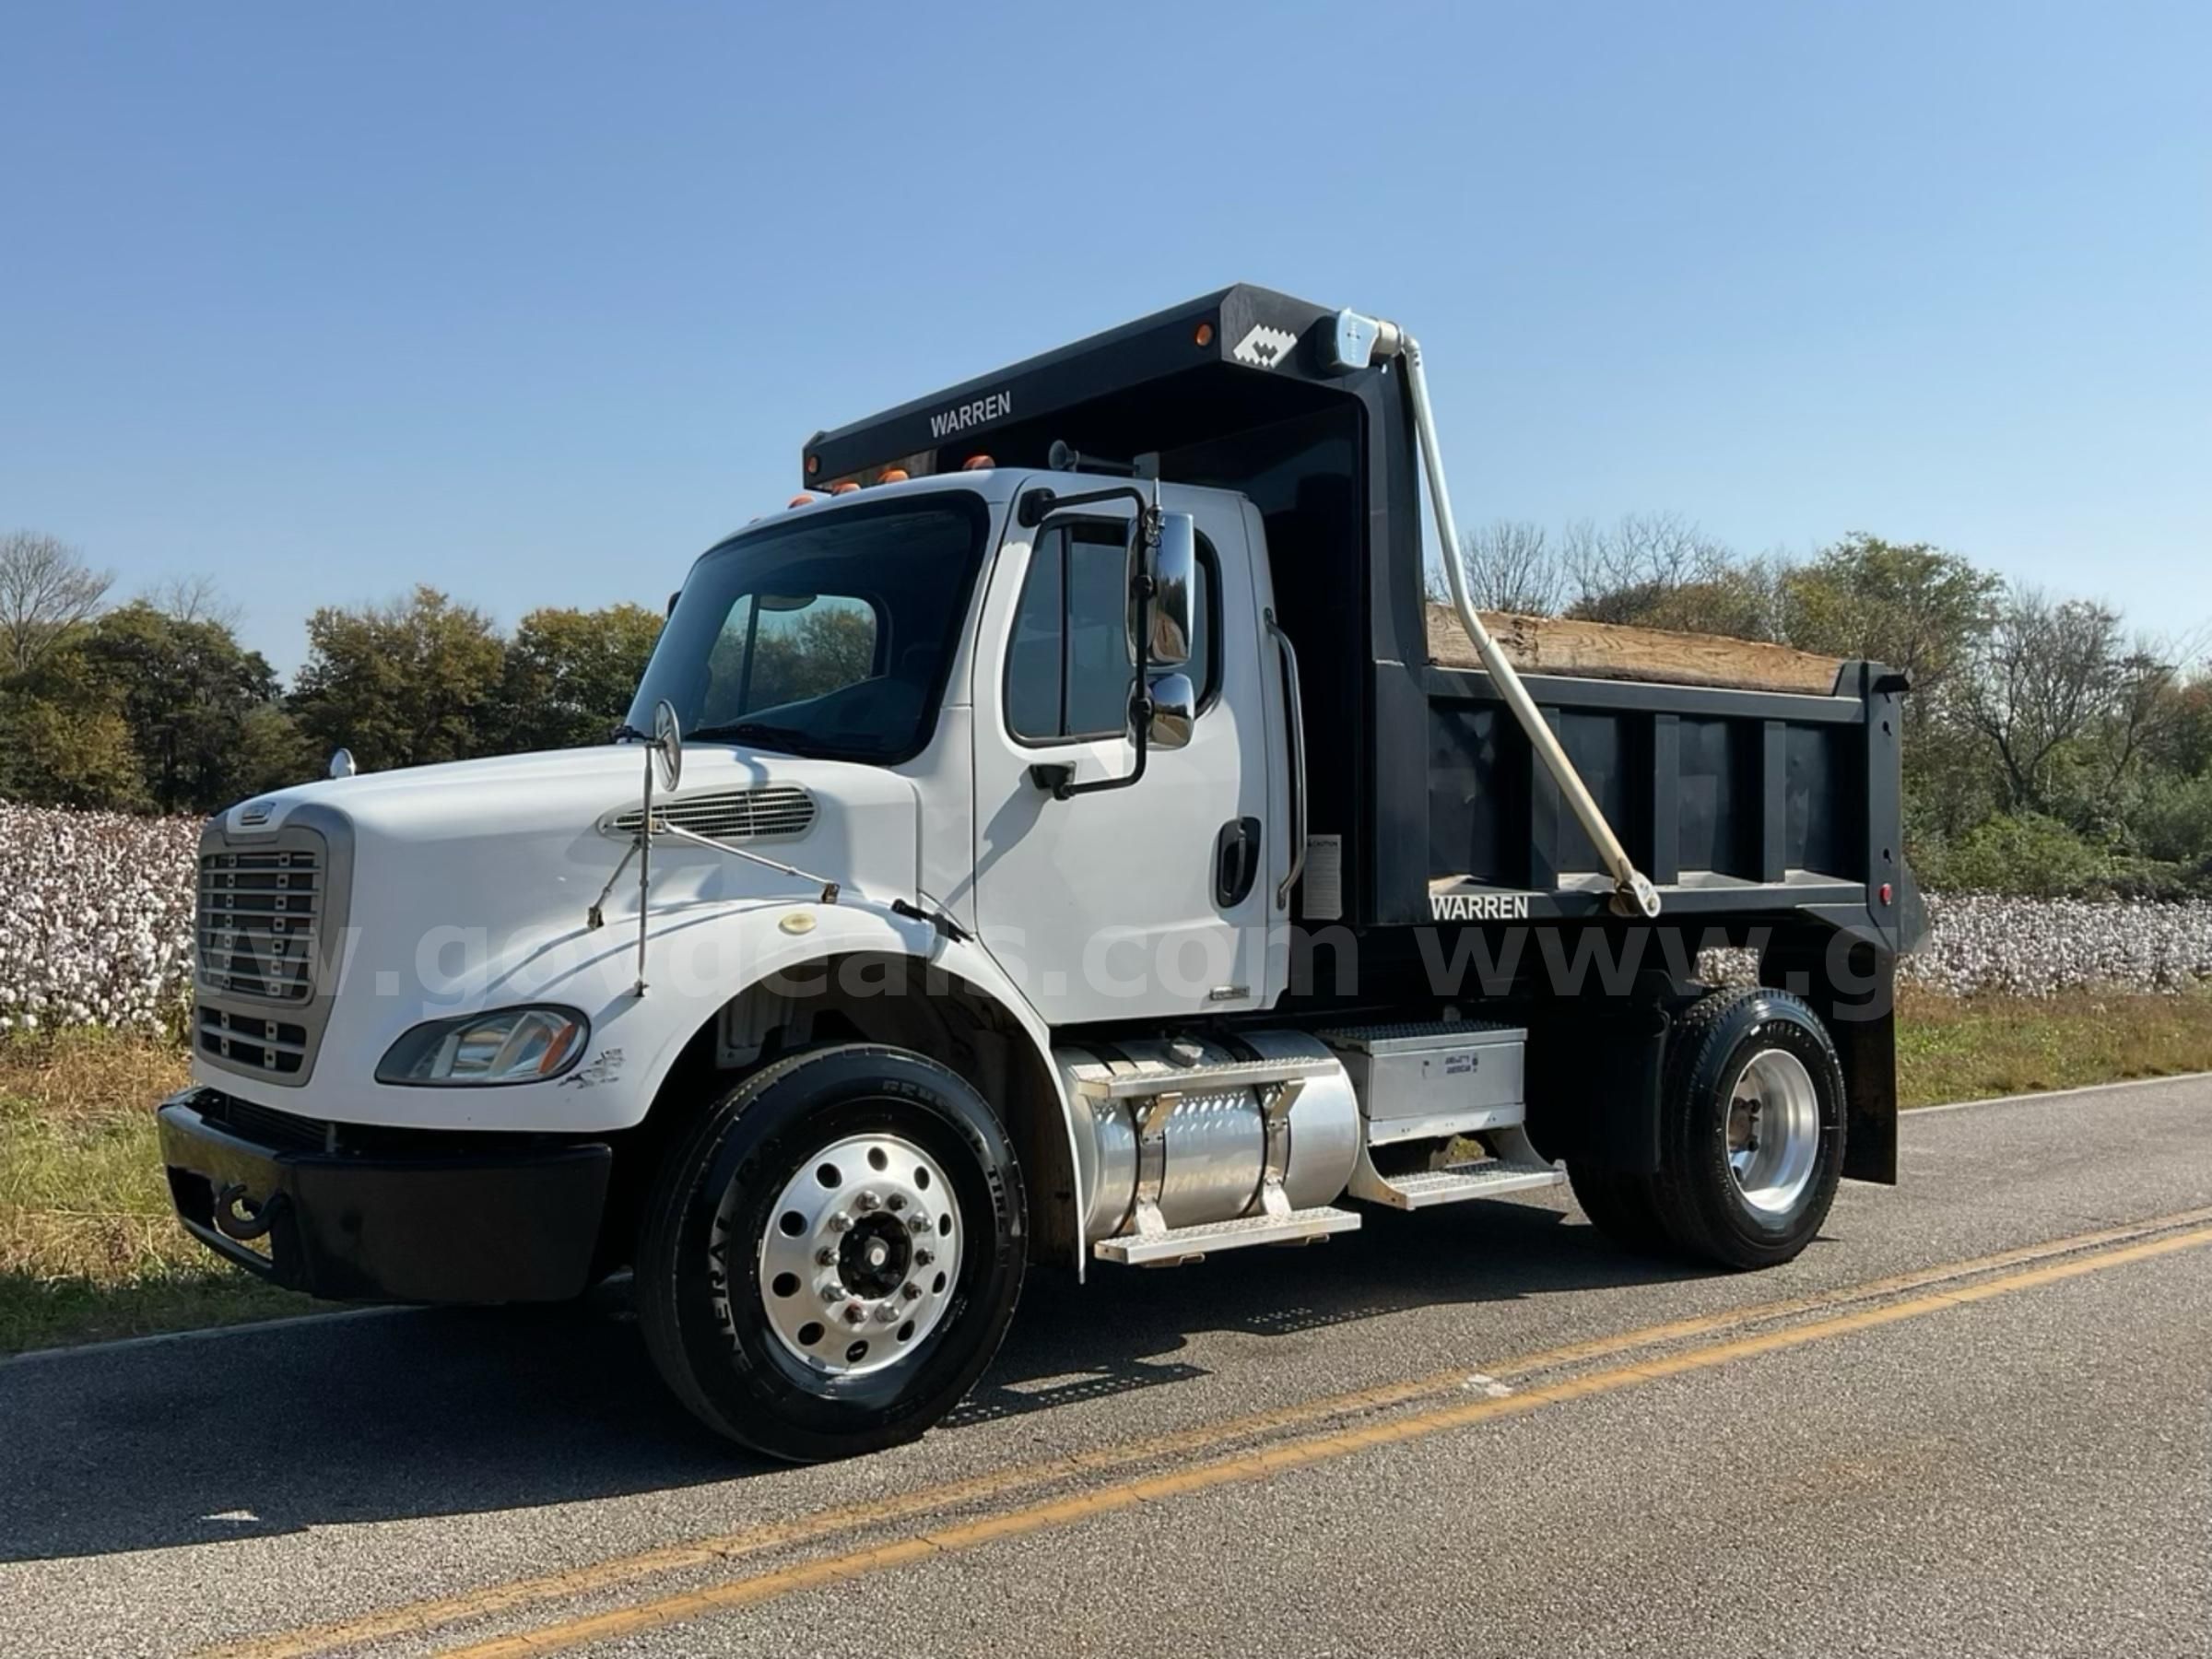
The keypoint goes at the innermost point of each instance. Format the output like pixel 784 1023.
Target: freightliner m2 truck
pixel 1070 837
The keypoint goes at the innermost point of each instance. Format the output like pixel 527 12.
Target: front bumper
pixel 409 1224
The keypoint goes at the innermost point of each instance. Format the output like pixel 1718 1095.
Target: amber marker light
pixel 1202 335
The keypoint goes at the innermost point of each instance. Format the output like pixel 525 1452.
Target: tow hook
pixel 241 1217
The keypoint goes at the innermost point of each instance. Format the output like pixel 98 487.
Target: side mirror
pixel 1174 591
pixel 1174 706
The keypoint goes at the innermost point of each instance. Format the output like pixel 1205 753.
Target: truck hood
pixel 462 873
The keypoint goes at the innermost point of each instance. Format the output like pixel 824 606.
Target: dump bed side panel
pixel 1732 801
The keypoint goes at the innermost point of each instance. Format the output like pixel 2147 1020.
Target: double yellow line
pixel 1894 1299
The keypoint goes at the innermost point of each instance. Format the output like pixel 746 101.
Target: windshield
pixel 827 635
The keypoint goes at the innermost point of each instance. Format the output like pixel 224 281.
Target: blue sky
pixel 534 301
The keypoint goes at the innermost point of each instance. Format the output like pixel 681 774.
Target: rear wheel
pixel 828 1263
pixel 1751 1139
pixel 1750 1136
pixel 1621 1207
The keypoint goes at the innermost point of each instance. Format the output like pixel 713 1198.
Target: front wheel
pixel 829 1261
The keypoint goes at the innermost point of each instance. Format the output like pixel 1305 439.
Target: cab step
pixel 1517 1170
pixel 1170 1247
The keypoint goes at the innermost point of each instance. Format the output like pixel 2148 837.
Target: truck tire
pixel 1621 1207
pixel 1752 1129
pixel 828 1263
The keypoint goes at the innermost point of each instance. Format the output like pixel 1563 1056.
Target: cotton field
pixel 96 929
pixel 2036 946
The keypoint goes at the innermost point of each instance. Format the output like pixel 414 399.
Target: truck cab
pixel 922 628
pixel 1068 834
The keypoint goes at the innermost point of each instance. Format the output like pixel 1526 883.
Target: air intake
pixel 758 813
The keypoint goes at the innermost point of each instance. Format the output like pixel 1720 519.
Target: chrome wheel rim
pixel 858 1256
pixel 1774 1131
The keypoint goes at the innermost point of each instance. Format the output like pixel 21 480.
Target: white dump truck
pixel 1068 837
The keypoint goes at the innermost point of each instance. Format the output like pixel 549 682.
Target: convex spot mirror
pixel 667 747
pixel 1174 706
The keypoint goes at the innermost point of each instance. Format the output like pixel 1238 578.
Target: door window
pixel 1069 668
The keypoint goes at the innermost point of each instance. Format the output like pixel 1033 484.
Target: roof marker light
pixel 893 474
pixel 814 465
pixel 978 464
pixel 1202 335
pixel 801 499
pixel 844 486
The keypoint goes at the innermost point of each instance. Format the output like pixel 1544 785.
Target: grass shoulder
pixel 1973 1048
pixel 89 1247
pixel 89 1250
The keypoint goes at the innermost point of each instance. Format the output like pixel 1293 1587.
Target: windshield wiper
pixel 756 731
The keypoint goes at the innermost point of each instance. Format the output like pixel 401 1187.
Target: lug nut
pixel 887 1315
pixel 867 1201
pixel 912 1292
pixel 897 1201
pixel 855 1312
pixel 919 1223
pixel 922 1258
pixel 825 1257
pixel 833 1292
pixel 838 1222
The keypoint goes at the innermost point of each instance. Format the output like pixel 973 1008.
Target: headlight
pixel 507 1045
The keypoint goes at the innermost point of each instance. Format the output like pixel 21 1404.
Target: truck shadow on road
pixel 451 1412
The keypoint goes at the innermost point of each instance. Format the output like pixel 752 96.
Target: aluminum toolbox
pixel 1420 1080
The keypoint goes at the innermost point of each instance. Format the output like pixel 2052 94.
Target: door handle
pixel 1236 861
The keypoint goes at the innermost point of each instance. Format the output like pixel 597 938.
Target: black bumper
pixel 413 1226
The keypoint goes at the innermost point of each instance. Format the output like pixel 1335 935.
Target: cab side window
pixel 1067 670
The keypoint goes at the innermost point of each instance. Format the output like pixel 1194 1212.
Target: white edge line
pixel 264 1327
pixel 2057 1094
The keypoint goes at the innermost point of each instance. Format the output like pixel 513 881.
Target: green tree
pixel 185 687
pixel 569 676
pixel 407 684
pixel 68 751
pixel 273 752
pixel 1906 603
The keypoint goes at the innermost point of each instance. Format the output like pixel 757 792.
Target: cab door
pixel 1136 902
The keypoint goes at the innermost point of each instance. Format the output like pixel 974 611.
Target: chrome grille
pixel 271 916
pixel 249 1041
pixel 256 924
pixel 770 809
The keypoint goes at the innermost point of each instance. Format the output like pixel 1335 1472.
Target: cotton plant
pixel 96 929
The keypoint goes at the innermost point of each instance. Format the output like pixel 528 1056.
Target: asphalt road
pixel 1975 1418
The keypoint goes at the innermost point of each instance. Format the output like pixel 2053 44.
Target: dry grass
pixel 1971 1048
pixel 88 1248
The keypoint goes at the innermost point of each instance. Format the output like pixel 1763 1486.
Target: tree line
pixel 153 705
pixel 2050 748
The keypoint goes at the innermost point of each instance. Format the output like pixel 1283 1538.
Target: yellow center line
pixel 416 1618
pixel 1301 1452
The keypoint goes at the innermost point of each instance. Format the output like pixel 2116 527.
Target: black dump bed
pixel 1752 799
